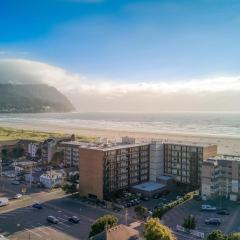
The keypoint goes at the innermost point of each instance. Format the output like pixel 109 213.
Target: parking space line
pixel 42 231
pixel 64 220
pixel 58 227
pixel 31 231
pixel 64 224
pixel 49 228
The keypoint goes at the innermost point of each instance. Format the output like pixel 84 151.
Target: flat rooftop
pixel 75 143
pixel 164 177
pixel 102 146
pixel 115 146
pixel 148 186
pixel 191 144
pixel 225 157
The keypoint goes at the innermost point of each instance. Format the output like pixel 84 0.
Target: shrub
pixel 101 223
pixel 161 211
pixel 189 222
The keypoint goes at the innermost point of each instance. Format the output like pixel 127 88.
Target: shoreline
pixel 226 145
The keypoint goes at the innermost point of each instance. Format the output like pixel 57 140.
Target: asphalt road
pixel 20 221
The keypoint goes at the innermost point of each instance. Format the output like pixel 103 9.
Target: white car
pixel 208 208
pixel 3 201
pixel 3 238
pixel 18 196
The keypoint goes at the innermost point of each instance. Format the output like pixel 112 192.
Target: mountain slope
pixel 32 98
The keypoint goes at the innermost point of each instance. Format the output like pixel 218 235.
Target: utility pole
pixel 126 216
pixel 31 177
pixel 0 166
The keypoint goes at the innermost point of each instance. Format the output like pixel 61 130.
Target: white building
pixel 32 149
pixel 52 179
pixel 156 160
pixel 221 177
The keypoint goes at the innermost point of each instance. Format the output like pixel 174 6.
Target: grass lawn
pixel 15 134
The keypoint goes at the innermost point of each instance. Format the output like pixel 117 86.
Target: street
pixel 20 221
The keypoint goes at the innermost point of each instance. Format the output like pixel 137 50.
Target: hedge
pixel 161 211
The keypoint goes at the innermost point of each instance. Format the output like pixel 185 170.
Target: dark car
pixel 52 219
pixel 37 205
pixel 197 197
pixel 127 205
pixel 157 196
pixel 15 182
pixel 223 212
pixel 144 198
pixel 165 192
pixel 213 221
pixel 74 219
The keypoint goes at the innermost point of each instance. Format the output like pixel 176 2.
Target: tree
pixel 154 230
pixel 74 178
pixel 57 158
pixel 216 235
pixel 234 236
pixel 101 223
pixel 70 188
pixel 18 152
pixel 141 210
pixel 189 222
pixel 5 155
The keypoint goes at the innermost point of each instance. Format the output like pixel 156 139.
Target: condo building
pixel 221 177
pixel 107 168
pixel 71 153
pixel 49 147
pixel 183 161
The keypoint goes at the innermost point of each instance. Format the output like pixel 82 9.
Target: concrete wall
pixel 156 160
pixel 209 151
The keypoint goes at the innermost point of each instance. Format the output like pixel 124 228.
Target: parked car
pixel 18 196
pixel 213 221
pixel 144 198
pixel 52 219
pixel 208 208
pixel 40 185
pixel 3 201
pixel 38 169
pixel 15 182
pixel 160 205
pixel 74 219
pixel 197 197
pixel 156 195
pixel 165 192
pixel 178 197
pixel 3 238
pixel 127 205
pixel 223 212
pixel 37 205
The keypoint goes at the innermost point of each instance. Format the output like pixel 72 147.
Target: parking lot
pixel 229 223
pixel 30 221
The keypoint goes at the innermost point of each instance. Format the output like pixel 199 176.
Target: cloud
pixel 95 94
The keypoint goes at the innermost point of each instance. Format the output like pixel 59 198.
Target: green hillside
pixel 32 98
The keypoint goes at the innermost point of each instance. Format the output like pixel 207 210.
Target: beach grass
pixel 7 134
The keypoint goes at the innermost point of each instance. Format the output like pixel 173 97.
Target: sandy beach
pixel 226 145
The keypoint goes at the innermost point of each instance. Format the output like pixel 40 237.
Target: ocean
pixel 218 124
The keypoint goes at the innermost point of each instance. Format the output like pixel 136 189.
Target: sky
pixel 126 55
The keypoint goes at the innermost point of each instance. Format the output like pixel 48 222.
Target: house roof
pixel 121 231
